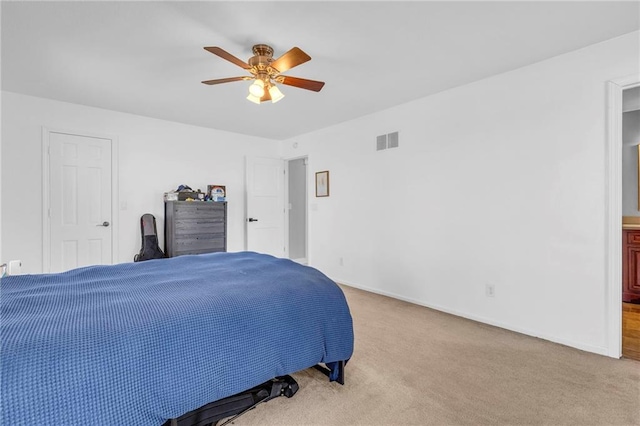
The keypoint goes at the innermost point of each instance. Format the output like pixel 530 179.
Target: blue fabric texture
pixel 139 343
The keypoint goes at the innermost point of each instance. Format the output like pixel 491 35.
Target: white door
pixel 80 201
pixel 265 206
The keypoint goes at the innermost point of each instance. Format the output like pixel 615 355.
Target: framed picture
pixel 217 192
pixel 322 184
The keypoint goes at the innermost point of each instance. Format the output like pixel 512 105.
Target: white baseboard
pixel 600 350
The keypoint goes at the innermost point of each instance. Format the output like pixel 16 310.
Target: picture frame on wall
pixel 322 184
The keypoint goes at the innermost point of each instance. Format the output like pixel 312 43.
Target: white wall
pixel 630 142
pixel 2 260
pixel 154 155
pixel 497 182
pixel 297 209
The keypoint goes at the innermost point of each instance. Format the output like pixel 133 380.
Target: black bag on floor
pixel 236 405
pixel 150 248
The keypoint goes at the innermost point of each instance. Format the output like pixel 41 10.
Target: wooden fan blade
pixel 228 56
pixel 303 83
pixel 292 58
pixel 266 96
pixel 226 80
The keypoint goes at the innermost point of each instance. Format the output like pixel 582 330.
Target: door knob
pixel 252 219
pixel 105 224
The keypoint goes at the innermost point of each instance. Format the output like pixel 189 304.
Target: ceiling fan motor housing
pixel 263 50
pixel 260 63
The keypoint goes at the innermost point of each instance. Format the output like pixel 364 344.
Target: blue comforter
pixel 140 343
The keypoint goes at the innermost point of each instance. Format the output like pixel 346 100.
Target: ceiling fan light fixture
pixel 254 99
pixel 257 88
pixel 275 93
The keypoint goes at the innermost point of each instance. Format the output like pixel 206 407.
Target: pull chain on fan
pixel 266 72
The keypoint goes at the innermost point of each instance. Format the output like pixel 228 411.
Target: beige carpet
pixel 416 366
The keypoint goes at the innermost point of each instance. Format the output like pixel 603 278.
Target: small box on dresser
pixel 194 227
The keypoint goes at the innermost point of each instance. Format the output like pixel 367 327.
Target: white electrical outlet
pixel 15 267
pixel 490 290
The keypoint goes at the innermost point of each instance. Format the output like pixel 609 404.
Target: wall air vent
pixel 393 140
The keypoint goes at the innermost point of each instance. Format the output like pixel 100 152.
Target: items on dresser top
pixel 186 193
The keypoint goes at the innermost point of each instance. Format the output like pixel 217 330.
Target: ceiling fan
pixel 266 72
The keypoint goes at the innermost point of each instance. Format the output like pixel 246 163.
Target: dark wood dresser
pixel 630 265
pixel 194 227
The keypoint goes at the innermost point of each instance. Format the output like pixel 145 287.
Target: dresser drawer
pixel 198 209
pixel 199 242
pixel 633 237
pixel 199 251
pixel 198 226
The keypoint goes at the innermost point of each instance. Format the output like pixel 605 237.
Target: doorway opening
pixel 631 223
pixel 614 212
pixel 297 209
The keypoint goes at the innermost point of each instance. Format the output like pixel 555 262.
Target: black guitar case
pixel 150 248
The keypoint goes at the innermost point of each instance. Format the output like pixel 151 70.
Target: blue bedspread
pixel 139 343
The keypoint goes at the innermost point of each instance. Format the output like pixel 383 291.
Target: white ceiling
pixel 147 58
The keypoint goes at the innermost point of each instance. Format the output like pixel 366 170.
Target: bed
pixel 141 343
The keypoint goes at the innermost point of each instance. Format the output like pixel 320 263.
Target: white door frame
pixel 286 210
pixel 613 213
pixel 46 203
